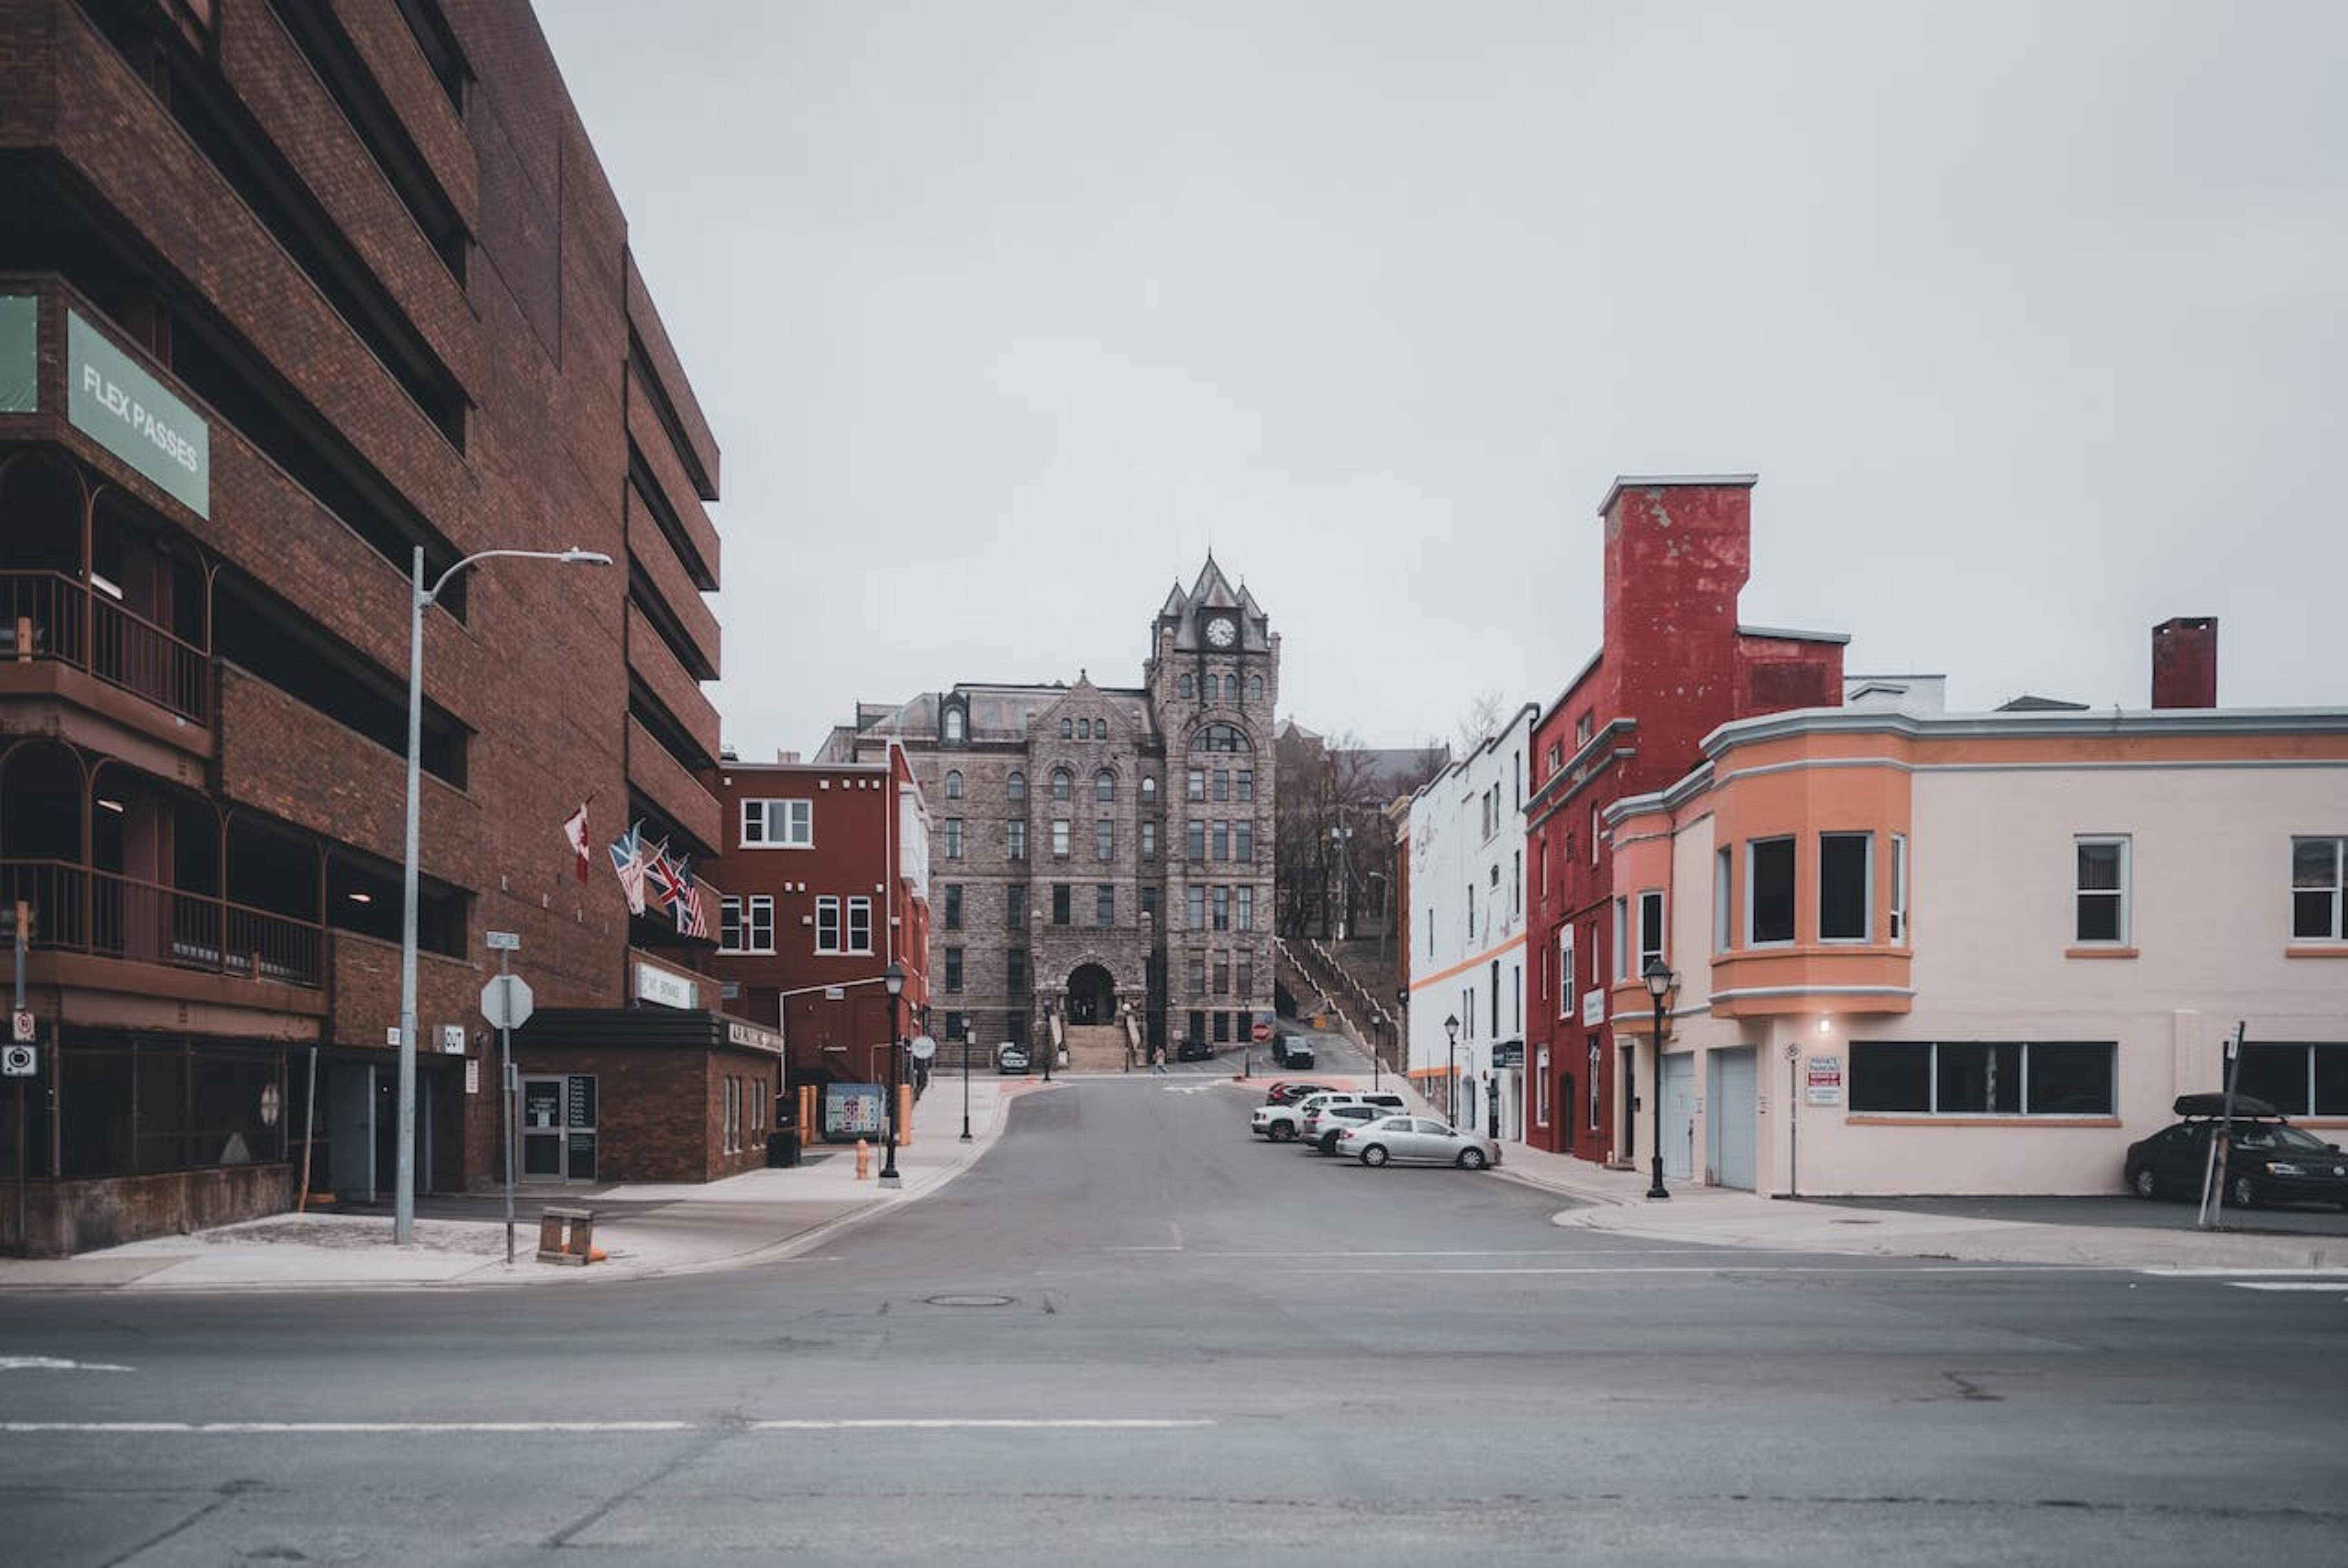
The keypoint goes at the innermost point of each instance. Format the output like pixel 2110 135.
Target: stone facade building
pixel 1102 854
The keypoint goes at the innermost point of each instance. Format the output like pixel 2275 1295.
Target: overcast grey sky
pixel 2031 317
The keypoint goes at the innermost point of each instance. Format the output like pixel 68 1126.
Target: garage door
pixel 1730 1124
pixel 1679 1114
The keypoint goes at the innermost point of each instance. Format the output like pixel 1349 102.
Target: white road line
pixel 52 1364
pixel 507 1429
pixel 335 1428
pixel 2329 1285
pixel 940 1424
pixel 1855 1268
pixel 2217 1271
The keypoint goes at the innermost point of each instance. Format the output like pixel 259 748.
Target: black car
pixel 1187 1049
pixel 1293 1089
pixel 2268 1159
pixel 1292 1050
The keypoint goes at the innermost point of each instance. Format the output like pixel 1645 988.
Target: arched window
pixel 1183 687
pixel 1148 790
pixel 1104 785
pixel 953 783
pixel 1015 786
pixel 1067 729
pixel 1064 783
pixel 1220 738
pixel 1212 689
pixel 953 724
pixel 1255 688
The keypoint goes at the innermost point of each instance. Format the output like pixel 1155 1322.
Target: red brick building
pixel 288 293
pixel 827 868
pixel 1675 665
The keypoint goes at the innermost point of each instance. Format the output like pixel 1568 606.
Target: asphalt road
pixel 1132 1332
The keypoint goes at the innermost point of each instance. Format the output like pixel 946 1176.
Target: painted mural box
pixel 851 1111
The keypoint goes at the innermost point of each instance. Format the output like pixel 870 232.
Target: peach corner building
pixel 1912 951
pixel 289 294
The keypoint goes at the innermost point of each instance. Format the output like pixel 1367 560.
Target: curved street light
pixel 421 599
pixel 893 977
pixel 1451 1093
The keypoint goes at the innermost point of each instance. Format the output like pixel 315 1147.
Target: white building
pixel 1928 952
pixel 1466 966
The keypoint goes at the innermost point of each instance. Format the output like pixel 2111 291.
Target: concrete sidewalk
pixel 644 1229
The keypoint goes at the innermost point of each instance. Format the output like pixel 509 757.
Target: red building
pixel 289 295
pixel 1675 665
pixel 827 868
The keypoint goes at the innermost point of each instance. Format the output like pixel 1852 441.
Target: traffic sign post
pixel 507 1003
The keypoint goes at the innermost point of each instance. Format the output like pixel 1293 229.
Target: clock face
pixel 1221 632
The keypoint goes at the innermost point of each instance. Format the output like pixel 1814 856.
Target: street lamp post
pixel 421 599
pixel 893 977
pixel 1402 1032
pixel 1341 838
pixel 1051 1046
pixel 1658 976
pixel 1451 1078
pixel 969 1045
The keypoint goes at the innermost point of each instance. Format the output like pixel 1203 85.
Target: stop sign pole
pixel 506 1002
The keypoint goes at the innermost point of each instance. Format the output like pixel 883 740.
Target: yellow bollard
pixel 863 1160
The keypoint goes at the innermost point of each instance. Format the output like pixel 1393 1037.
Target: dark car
pixel 1289 1091
pixel 2268 1159
pixel 1189 1049
pixel 1292 1050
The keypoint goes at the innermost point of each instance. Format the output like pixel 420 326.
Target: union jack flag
pixel 672 880
pixel 628 862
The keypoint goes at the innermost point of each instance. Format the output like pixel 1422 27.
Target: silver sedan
pixel 1418 1141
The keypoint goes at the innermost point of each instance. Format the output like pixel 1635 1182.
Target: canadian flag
pixel 574 828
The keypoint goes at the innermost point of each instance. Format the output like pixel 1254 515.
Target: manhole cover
pixel 1855 1222
pixel 968 1300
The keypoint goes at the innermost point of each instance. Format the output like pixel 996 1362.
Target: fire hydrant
pixel 863 1160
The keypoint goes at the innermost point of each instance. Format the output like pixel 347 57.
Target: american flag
pixel 691 918
pixel 628 861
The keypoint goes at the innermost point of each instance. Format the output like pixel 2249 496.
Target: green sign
pixel 111 396
pixel 20 354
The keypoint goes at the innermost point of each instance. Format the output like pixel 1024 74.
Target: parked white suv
pixel 1323 1122
pixel 1281 1124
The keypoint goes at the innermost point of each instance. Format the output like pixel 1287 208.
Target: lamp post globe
pixel 1659 977
pixel 1451 1071
pixel 893 977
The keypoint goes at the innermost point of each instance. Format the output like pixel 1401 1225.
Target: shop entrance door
pixel 558 1127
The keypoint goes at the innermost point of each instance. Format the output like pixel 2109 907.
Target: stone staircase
pixel 1095 1047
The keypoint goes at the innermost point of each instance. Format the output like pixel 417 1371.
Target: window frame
pixel 2120 897
pixel 1866 932
pixel 2335 892
pixel 860 912
pixel 795 831
pixel 828 918
pixel 1753 849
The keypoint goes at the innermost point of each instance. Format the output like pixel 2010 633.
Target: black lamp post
pixel 969 1045
pixel 1051 1046
pixel 894 978
pixel 1402 1032
pixel 1658 976
pixel 1451 1081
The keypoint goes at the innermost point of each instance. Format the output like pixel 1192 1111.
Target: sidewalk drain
pixel 967 1300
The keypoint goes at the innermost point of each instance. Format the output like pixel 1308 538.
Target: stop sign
pixel 1262 1032
pixel 506 1001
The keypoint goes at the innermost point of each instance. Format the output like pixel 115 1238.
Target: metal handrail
pixel 81 909
pixel 54 615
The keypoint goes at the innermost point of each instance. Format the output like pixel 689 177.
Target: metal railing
pixel 49 615
pixel 79 910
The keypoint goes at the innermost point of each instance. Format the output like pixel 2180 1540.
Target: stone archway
pixel 1092 995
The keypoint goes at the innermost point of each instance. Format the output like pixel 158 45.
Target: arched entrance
pixel 1092 995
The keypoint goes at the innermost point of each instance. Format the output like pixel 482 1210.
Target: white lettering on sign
pixel 135 414
pixel 668 991
pixel 1593 1007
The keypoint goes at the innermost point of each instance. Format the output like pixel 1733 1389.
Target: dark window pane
pixel 1890 1077
pixel 1842 887
pixel 2099 868
pixel 1773 890
pixel 2331 1079
pixel 1976 1080
pixel 2277 1074
pixel 2310 915
pixel 2099 917
pixel 2070 1080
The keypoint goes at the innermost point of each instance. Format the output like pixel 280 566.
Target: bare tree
pixel 1485 712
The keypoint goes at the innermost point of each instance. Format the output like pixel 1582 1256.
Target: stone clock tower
pixel 1101 864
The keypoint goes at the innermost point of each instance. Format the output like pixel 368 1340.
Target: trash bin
pixel 782 1148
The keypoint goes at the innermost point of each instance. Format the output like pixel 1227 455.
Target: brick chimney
pixel 2184 662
